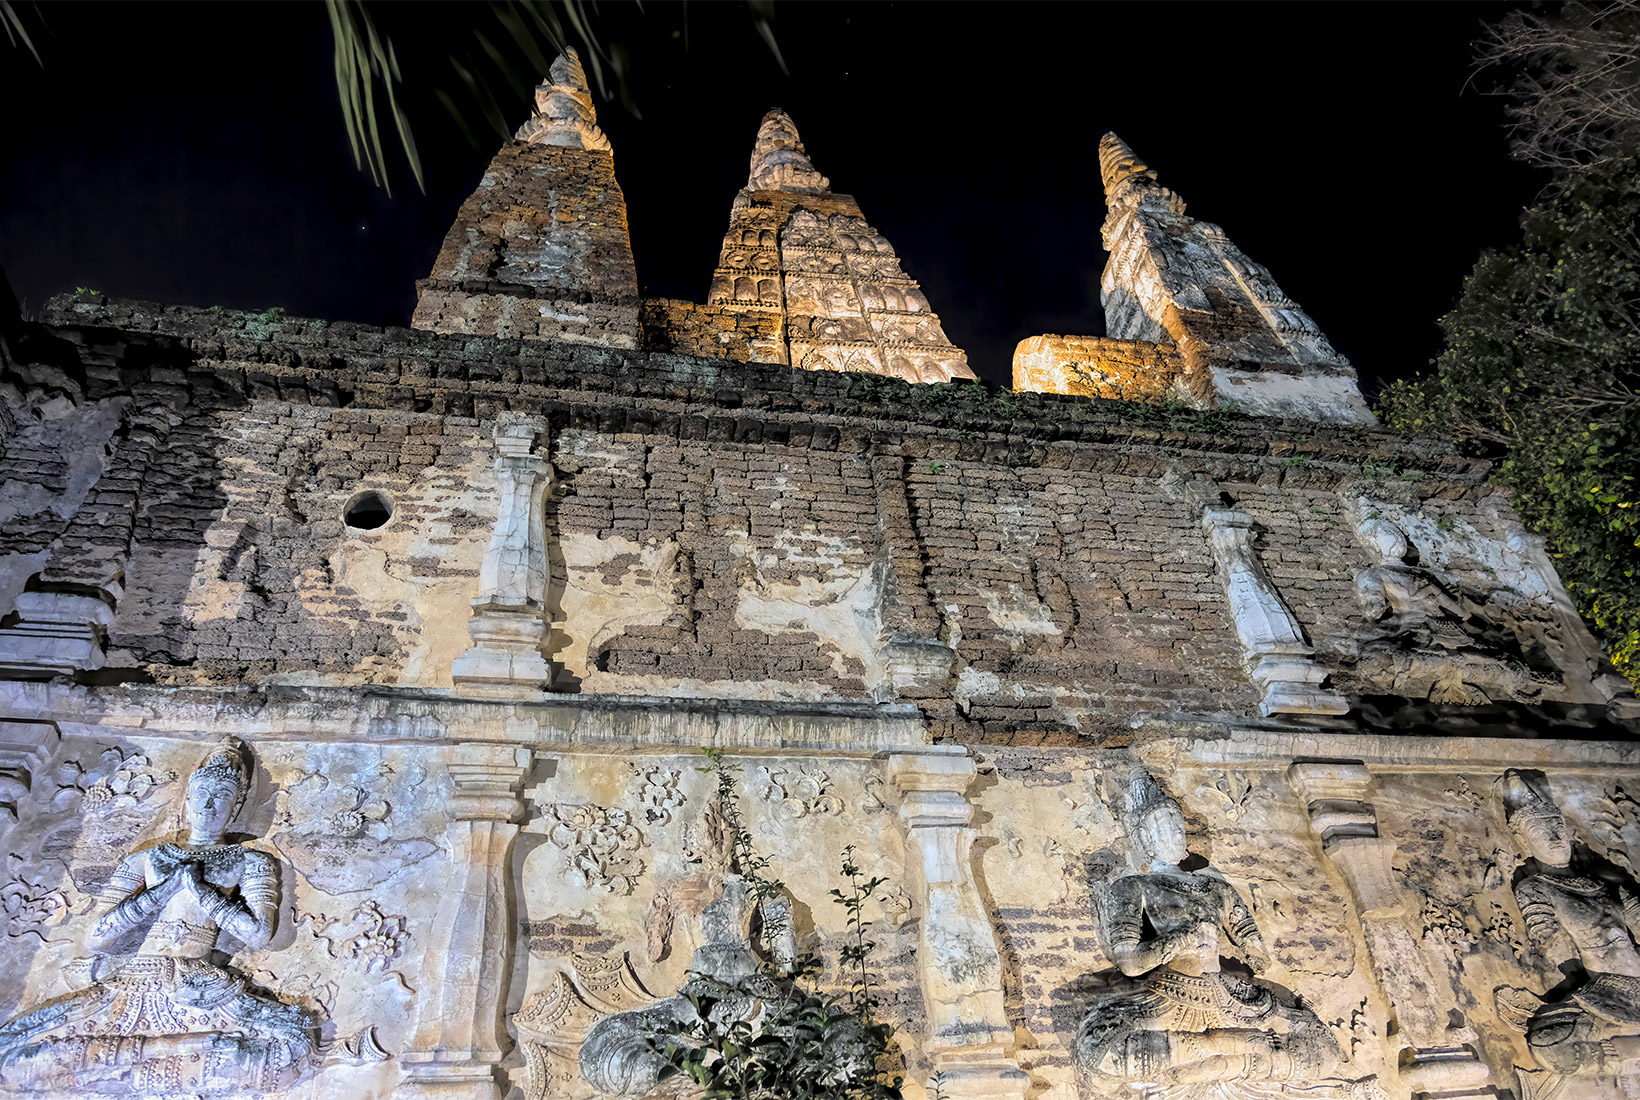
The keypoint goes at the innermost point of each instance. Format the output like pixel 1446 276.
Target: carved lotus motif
pixel 600 845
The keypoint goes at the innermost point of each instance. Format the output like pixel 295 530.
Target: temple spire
pixel 1118 163
pixel 564 114
pixel 779 161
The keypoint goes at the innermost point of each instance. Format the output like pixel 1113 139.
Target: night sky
pixel 195 153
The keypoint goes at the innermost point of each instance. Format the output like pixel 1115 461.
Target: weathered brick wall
pixel 735 530
pixel 689 328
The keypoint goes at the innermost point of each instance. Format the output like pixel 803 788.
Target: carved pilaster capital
pixel 933 787
pixel 487 780
pixel 25 752
pixel 1338 796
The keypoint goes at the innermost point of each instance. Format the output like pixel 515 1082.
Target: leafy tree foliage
pixel 1543 357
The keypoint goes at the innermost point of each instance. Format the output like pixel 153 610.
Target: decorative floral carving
pixel 1446 924
pixel 1615 813
pixel 368 935
pixel 804 792
pixel 30 906
pixel 1237 792
pixel 1352 1031
pixel 366 809
pixel 1503 931
pixel 872 801
pixel 132 778
pixel 657 793
pixel 600 845
pixel 896 905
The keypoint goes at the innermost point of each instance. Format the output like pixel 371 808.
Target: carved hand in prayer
pixel 1257 955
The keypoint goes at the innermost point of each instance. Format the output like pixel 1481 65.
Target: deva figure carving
pixel 1584 924
pixel 1435 642
pixel 728 979
pixel 1176 1026
pixel 159 1017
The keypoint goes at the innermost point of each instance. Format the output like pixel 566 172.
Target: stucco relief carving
pixel 1585 924
pixel 373 940
pixel 656 792
pixel 1434 641
pixel 158 1015
pixel 348 848
pixel 618 1055
pixel 801 792
pixel 553 1022
pixel 600 845
pixel 31 906
pixel 1176 1025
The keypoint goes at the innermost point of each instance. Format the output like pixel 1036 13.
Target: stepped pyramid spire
pixel 1118 162
pixel 779 161
pixel 809 282
pixel 1188 314
pixel 564 114
pixel 540 250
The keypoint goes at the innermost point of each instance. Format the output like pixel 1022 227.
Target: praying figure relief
pixel 1584 924
pixel 1177 1027
pixel 159 1017
pixel 1435 642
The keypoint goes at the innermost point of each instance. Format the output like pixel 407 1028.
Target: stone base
pixel 999 1080
pixel 917 666
pixel 56 634
pixel 1447 1073
pixel 501 671
pixel 446 1080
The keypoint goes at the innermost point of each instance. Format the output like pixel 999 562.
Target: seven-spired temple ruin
pixel 1210 742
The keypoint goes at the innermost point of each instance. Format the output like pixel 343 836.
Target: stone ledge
pixel 387 715
pixel 231 356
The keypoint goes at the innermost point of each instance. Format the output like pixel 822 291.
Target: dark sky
pixel 195 153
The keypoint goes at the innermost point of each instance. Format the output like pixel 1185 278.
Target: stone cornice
pixel 226 357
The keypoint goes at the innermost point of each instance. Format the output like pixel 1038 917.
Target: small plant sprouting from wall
pixel 798 1045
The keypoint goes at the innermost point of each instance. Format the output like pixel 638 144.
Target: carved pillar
pixel 1272 645
pixel 61 624
pixel 509 620
pixel 918 663
pixel 25 752
pixel 459 1037
pixel 1439 1060
pixel 961 968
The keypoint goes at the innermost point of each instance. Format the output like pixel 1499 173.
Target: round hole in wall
pixel 367 510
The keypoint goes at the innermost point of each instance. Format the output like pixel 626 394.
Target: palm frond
pixel 363 59
pixel 16 32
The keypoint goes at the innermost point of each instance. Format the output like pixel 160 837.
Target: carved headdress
pixel 1524 804
pixel 1145 796
pixel 227 763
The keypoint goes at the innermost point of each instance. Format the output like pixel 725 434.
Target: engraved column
pixel 1273 647
pixel 459 1037
pixel 509 622
pixel 961 968
pixel 917 662
pixel 1440 1060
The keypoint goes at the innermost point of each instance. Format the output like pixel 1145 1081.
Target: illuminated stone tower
pixel 1187 313
pixel 541 250
pixel 797 250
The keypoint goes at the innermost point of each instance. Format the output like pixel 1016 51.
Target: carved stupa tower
pixel 1188 314
pixel 826 282
pixel 1171 278
pixel 542 249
